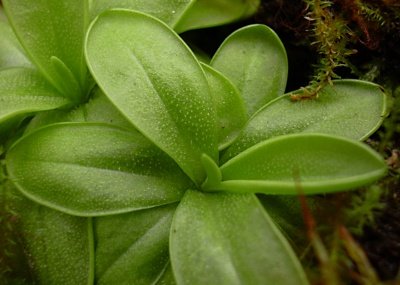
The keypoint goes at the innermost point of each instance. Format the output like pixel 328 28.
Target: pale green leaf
pixel 206 13
pixel 91 169
pixel 59 247
pixel 66 79
pixel 169 11
pixel 98 109
pixel 350 108
pixel 133 248
pixel 52 28
pixel 184 15
pixel 24 91
pixel 254 59
pixel 302 163
pixel 11 53
pixel 231 112
pixel 156 82
pixel 229 239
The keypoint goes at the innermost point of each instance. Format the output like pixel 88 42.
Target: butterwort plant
pixel 153 181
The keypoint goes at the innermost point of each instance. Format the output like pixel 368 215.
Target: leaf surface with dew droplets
pixel 93 169
pixel 154 79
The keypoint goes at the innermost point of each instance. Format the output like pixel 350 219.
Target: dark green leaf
pixel 254 59
pixel 59 246
pixel 231 112
pixel 200 54
pixel 133 248
pixel 350 108
pixel 205 13
pixel 286 212
pixel 302 163
pixel 229 239
pixel 14 266
pixel 53 28
pixel 156 82
pixel 91 169
pixel 167 278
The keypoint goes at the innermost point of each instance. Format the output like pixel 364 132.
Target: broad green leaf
pixel 184 15
pixel 53 29
pixel 229 239
pixel 91 169
pixel 206 13
pixel 24 91
pixel 59 246
pixel 254 59
pixel 156 82
pixel 11 53
pixel 302 163
pixel 169 11
pixel 231 112
pixel 98 109
pixel 350 108
pixel 133 248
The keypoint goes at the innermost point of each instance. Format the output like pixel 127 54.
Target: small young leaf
pixel 350 108
pixel 156 82
pixel 90 169
pixel 229 239
pixel 205 13
pixel 59 246
pixel 133 248
pixel 254 59
pixel 11 53
pixel 231 112
pixel 307 163
pixel 66 79
pixel 168 11
pixel 24 91
pixel 48 28
pixel 214 175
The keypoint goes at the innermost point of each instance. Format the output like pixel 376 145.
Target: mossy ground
pixel 365 48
